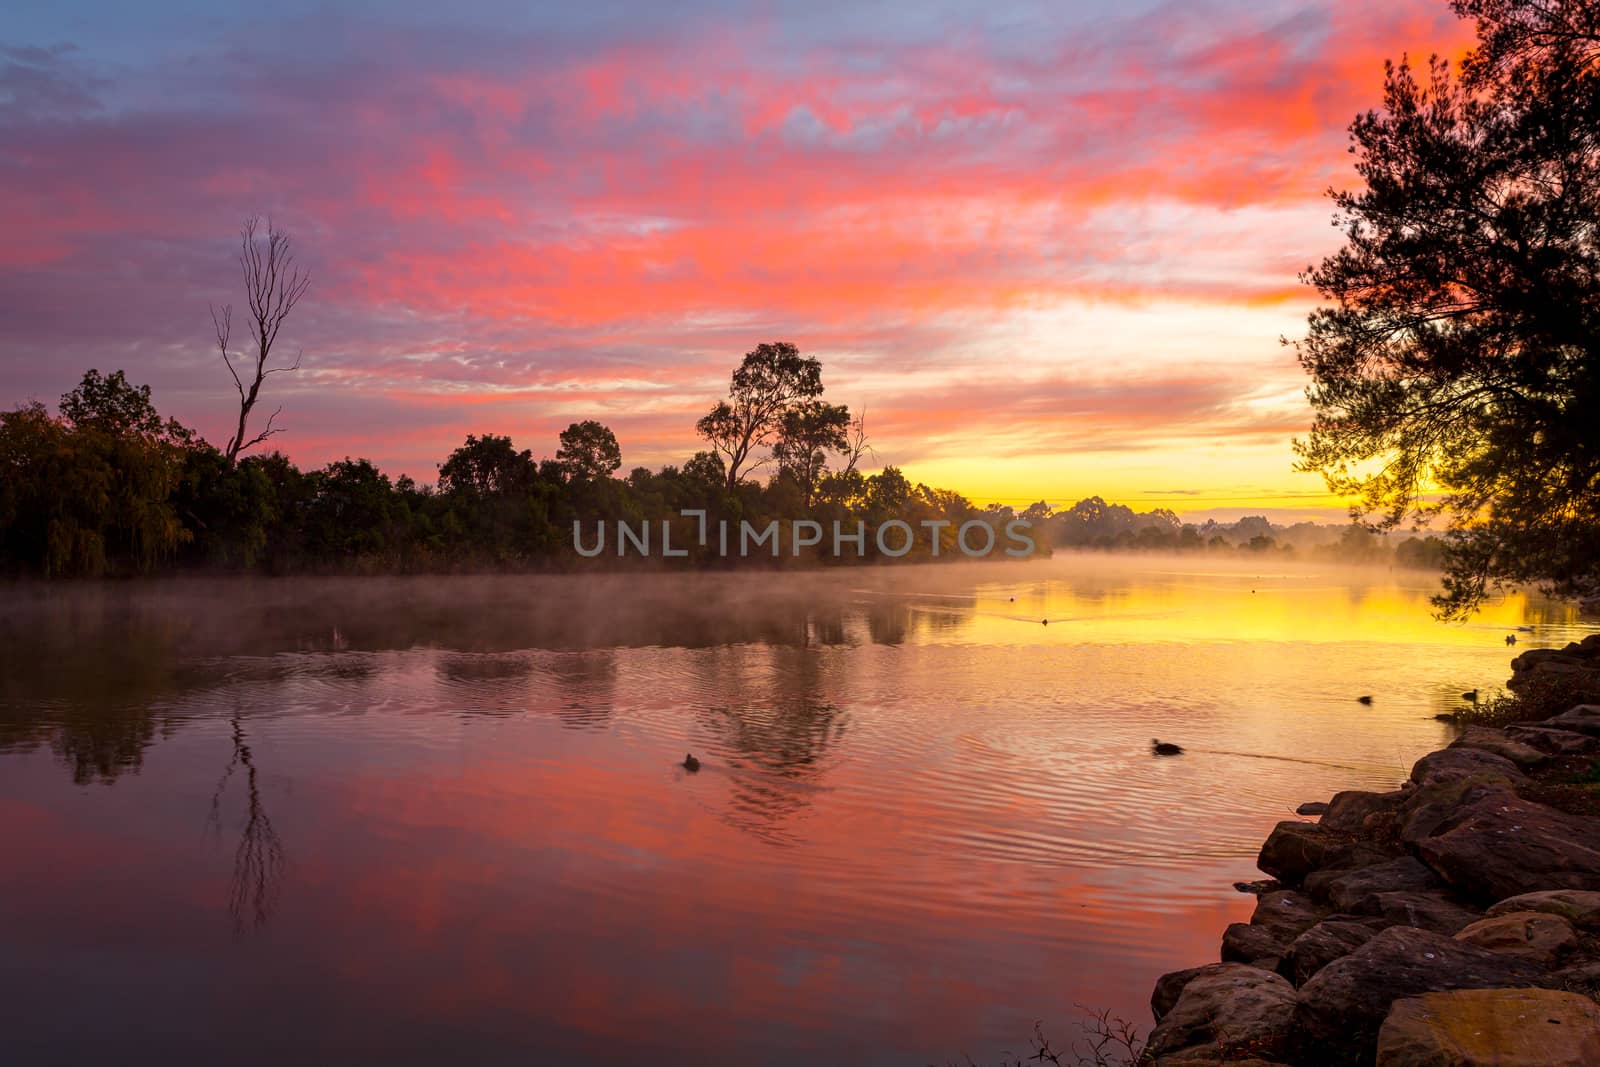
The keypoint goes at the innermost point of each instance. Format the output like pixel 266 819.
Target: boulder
pixel 1348 811
pixel 1454 764
pixel 1312 807
pixel 1534 936
pixel 1356 890
pixel 1433 805
pixel 1503 845
pixel 1285 910
pixel 1249 943
pixel 1331 939
pixel 1555 741
pixel 1343 1005
pixel 1242 1009
pixel 1583 719
pixel 1579 907
pixel 1429 909
pixel 1491 1028
pixel 1295 849
pixel 1497 742
pixel 1170 985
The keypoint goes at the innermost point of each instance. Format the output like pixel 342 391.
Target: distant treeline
pixel 108 486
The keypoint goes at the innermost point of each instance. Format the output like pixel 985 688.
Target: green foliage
pixel 1456 369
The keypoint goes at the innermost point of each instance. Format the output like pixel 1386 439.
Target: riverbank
pixel 1454 920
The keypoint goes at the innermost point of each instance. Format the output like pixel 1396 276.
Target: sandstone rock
pixel 1583 719
pixel 1331 939
pixel 1502 845
pixel 1453 764
pixel 1555 741
pixel 1171 985
pixel 1579 907
pixel 1530 935
pixel 1287 910
pixel 1295 849
pixel 1432 910
pixel 1431 806
pixel 1484 739
pixel 1348 811
pixel 1343 1005
pixel 1491 1028
pixel 1248 943
pixel 1356 890
pixel 1241 1009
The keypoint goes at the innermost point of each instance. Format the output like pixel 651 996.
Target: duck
pixel 1045 621
pixel 690 764
pixel 1511 639
pixel 1364 700
pixel 1164 748
pixel 1471 696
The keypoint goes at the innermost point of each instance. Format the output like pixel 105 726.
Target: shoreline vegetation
pixel 107 487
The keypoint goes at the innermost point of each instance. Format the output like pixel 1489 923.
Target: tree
pixel 589 451
pixel 273 285
pixel 486 466
pixel 1456 372
pixel 807 432
pixel 770 379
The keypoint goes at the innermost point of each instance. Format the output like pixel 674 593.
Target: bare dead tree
pixel 273 285
pixel 856 443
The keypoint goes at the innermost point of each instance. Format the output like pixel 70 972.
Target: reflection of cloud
pixel 514 227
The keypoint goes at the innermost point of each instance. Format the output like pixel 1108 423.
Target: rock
pixel 1534 936
pixel 1295 849
pixel 1223 1012
pixel 1286 910
pixel 1503 845
pixel 1171 985
pixel 1491 1028
pixel 1454 764
pixel 1259 886
pixel 1583 719
pixel 1431 806
pixel 1348 811
pixel 1555 741
pixel 1484 739
pixel 1579 907
pixel 1248 943
pixel 1331 939
pixel 1357 890
pixel 1432 910
pixel 1343 1005
pixel 1312 807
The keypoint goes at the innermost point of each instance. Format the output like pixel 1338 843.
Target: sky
pixel 1050 248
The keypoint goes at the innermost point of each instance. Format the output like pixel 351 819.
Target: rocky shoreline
pixel 1453 922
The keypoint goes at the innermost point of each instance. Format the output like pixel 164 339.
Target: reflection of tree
pixel 258 861
pixel 775 745
pixel 588 683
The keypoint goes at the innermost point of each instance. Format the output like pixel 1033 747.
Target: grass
pixel 1539 701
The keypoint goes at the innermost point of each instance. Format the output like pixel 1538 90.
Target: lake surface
pixel 444 820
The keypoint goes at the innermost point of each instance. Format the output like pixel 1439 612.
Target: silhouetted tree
pixel 1457 370
pixel 807 432
pixel 770 379
pixel 589 451
pixel 273 285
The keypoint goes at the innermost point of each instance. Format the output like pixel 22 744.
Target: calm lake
pixel 443 820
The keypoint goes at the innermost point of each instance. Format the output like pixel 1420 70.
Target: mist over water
pixel 444 819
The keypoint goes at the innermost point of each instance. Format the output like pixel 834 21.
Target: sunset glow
pixel 1051 254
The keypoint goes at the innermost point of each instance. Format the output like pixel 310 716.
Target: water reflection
pixel 924 819
pixel 258 860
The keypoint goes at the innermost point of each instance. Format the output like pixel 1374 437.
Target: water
pixel 444 820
